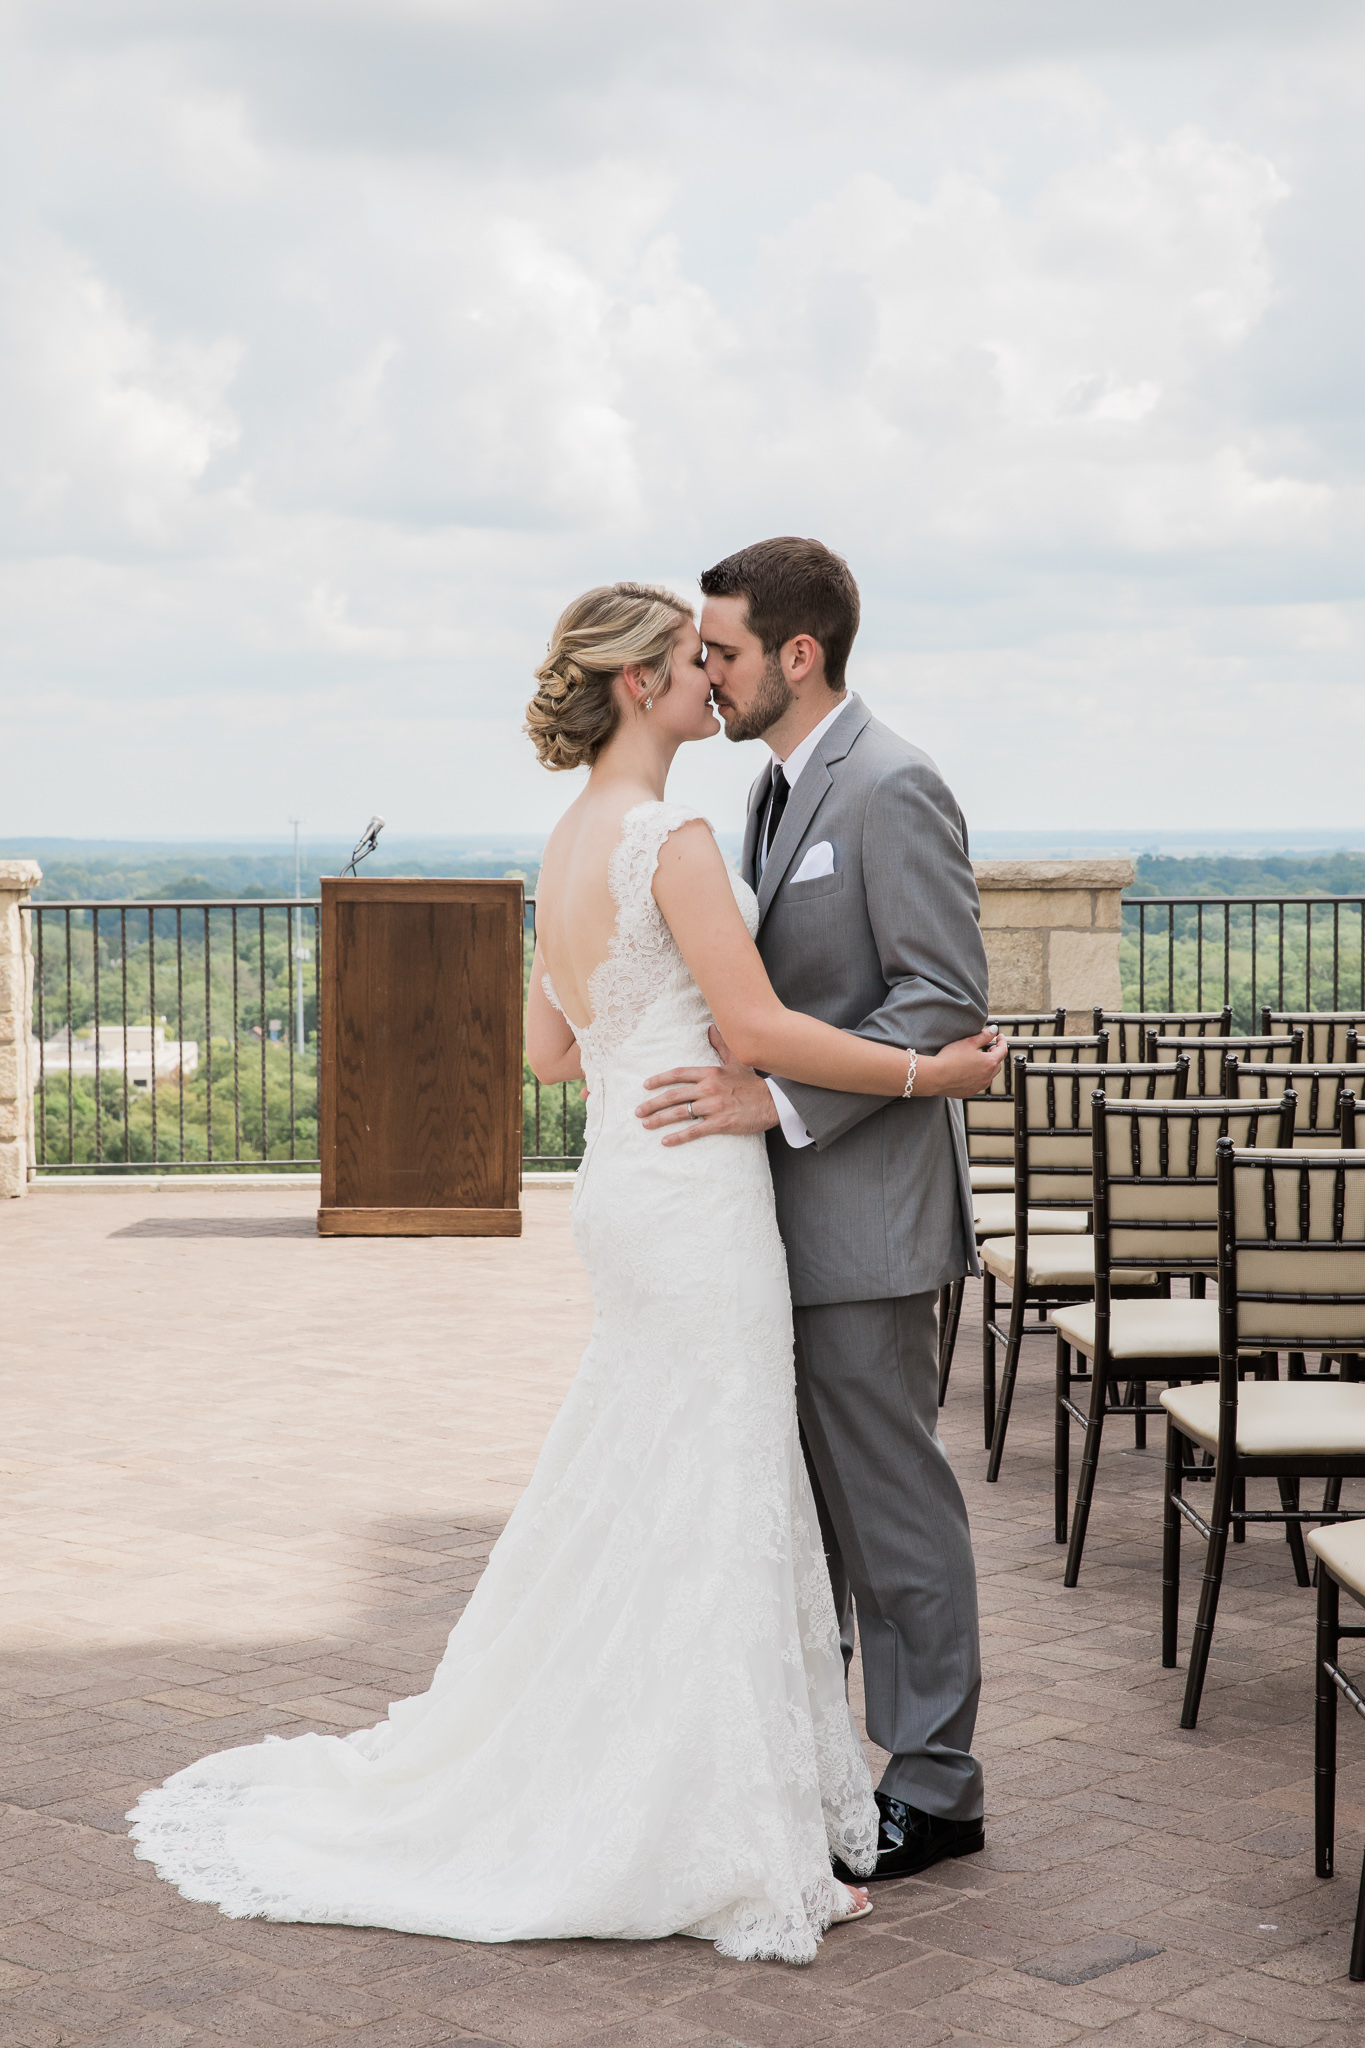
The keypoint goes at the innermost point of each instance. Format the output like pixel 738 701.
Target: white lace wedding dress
pixel 639 1725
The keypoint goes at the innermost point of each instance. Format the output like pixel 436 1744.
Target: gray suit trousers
pixel 897 1539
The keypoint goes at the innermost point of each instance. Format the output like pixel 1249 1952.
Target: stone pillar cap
pixel 20 874
pixel 1053 874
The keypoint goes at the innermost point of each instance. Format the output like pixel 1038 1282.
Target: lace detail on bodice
pixel 642 964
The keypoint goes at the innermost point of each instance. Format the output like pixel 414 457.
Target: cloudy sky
pixel 344 340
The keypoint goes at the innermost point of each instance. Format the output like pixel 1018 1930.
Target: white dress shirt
pixel 791 769
pixel 793 1130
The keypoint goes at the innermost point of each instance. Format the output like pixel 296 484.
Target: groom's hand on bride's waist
pixel 701 1102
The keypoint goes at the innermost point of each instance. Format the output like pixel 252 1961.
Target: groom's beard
pixel 774 697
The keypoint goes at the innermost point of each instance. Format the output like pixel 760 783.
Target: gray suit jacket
pixel 888 946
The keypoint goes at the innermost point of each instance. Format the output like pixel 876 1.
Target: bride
pixel 639 1726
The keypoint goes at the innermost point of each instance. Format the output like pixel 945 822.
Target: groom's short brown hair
pixel 793 586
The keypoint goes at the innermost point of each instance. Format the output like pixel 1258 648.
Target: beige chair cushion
pixel 1289 1418
pixel 993 1215
pixel 1144 1329
pixel 1249 1196
pixel 991 1113
pixel 992 1180
pixel 1341 1547
pixel 1052 1262
pixel 1192 1250
pixel 1319 1088
pixel 1249 1123
pixel 1312 1265
pixel 1128 1029
pixel 1289 1270
pixel 1324 1031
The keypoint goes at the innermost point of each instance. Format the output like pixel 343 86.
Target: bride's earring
pixel 649 703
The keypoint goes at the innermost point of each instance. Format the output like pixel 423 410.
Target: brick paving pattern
pixel 251 1477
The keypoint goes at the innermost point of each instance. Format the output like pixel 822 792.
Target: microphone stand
pixel 365 845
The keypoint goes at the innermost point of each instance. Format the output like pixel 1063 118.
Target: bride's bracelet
pixel 910 1077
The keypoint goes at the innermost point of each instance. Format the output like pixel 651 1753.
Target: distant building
pixel 147 1052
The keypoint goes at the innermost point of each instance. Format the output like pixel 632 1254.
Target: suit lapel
pixel 758 797
pixel 812 787
pixel 804 801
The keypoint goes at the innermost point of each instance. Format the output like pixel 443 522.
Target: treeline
pixel 197 874
pixel 208 974
pixel 1305 956
pixel 1270 874
pixel 235 1118
pixel 204 1126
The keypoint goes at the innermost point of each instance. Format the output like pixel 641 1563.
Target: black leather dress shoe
pixel 909 1841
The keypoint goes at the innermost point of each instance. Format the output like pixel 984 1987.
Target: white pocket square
pixel 819 861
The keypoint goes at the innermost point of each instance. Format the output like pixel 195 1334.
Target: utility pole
pixel 301 951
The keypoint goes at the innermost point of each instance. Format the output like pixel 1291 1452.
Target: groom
pixel 869 920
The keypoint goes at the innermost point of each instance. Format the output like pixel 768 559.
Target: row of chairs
pixel 1038 1239
pixel 1160 1037
pixel 1329 1036
pixel 1291 1278
pixel 1051 1200
pixel 1215 1156
pixel 1326 1034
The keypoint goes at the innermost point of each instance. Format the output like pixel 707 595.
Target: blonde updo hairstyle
pixel 574 711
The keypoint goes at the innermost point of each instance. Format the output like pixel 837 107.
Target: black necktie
pixel 777 805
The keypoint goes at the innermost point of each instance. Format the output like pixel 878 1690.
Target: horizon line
pixel 1133 839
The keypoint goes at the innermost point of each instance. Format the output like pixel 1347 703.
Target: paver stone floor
pixel 251 1476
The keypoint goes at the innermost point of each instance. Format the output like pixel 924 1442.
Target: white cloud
pixel 1000 358
pixel 343 344
pixel 107 427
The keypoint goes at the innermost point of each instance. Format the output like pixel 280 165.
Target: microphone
pixel 366 844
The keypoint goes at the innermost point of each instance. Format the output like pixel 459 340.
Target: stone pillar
pixel 17 879
pixel 1052 934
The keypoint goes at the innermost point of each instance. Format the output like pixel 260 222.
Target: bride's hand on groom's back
pixel 730 1099
pixel 733 1100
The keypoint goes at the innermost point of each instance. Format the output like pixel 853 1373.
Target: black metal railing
pixel 1284 952
pixel 555 1110
pixel 234 1087
pixel 157 1045
pixel 183 1035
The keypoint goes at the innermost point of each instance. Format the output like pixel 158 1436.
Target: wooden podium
pixel 419 1058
